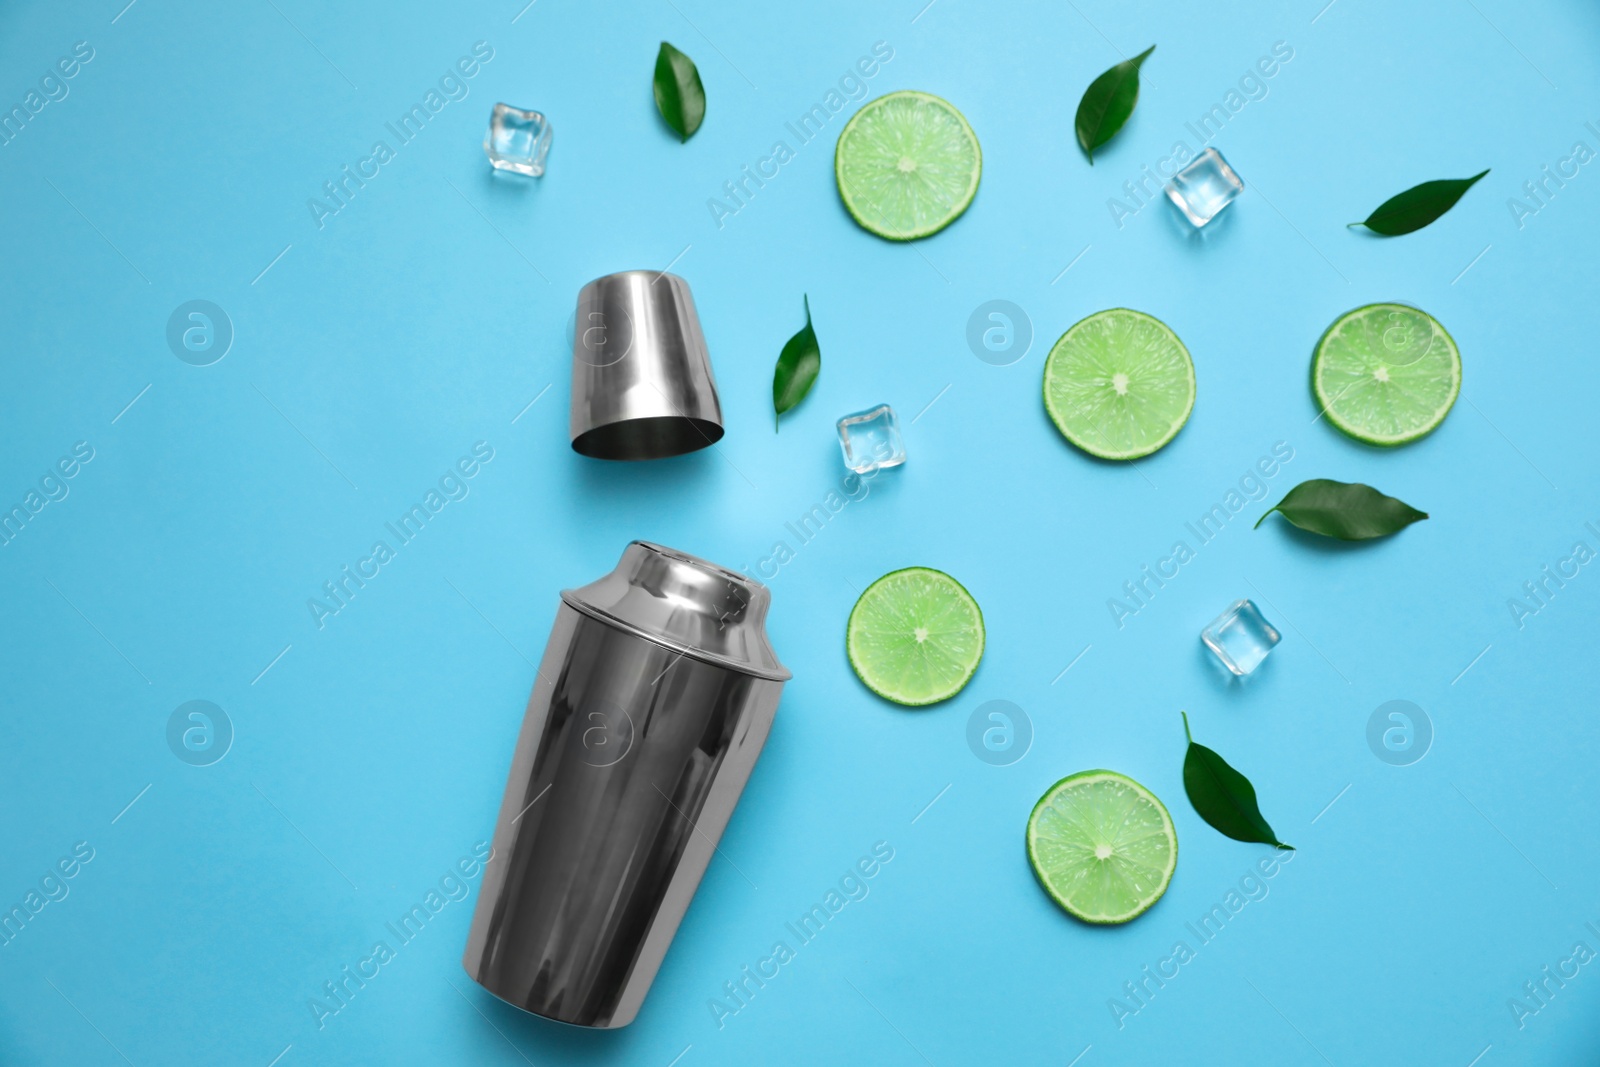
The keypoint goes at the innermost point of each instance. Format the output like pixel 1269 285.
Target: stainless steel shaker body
pixel 653 700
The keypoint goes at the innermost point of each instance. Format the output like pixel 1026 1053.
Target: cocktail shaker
pixel 653 700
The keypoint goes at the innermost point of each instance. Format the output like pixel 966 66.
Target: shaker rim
pixel 781 674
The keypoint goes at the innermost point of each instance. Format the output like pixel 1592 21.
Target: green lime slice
pixel 915 636
pixel 1119 384
pixel 1102 846
pixel 1386 373
pixel 907 165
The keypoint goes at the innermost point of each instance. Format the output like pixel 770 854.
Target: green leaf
pixel 1417 206
pixel 1222 796
pixel 1349 511
pixel 798 366
pixel 680 97
pixel 1108 102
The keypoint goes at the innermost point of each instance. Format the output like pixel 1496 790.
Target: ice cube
pixel 1203 188
pixel 1240 637
pixel 871 440
pixel 517 140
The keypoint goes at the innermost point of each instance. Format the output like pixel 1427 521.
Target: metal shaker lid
pixel 641 375
pixel 686 603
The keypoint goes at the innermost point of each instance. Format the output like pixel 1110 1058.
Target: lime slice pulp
pixel 1102 846
pixel 1386 373
pixel 907 165
pixel 1119 384
pixel 915 637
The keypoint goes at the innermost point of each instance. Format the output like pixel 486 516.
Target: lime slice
pixel 915 636
pixel 907 165
pixel 1119 384
pixel 1386 373
pixel 1102 846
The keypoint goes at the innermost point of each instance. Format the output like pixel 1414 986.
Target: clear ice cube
pixel 1203 188
pixel 517 140
pixel 1240 637
pixel 871 440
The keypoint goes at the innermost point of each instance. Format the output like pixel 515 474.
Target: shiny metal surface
pixel 653 700
pixel 685 602
pixel 641 376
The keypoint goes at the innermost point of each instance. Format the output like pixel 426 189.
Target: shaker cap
pixel 689 604
pixel 641 374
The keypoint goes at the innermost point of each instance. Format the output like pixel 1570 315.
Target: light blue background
pixel 430 311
